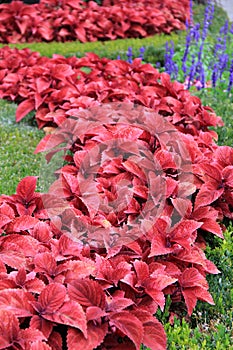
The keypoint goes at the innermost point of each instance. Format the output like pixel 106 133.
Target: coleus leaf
pixel 9 328
pixel 17 301
pixel 26 188
pixel 24 108
pixel 129 325
pixel 87 293
pixel 40 345
pixel 52 298
pixel 154 334
pixel 191 295
pixel 69 314
pixel 95 336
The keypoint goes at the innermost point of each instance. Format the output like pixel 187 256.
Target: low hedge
pixel 154 47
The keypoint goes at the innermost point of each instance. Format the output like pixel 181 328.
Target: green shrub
pixel 155 47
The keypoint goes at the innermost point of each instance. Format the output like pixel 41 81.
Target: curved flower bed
pixel 69 272
pixel 66 20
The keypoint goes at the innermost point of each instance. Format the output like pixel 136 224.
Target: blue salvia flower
pixel 130 54
pixel 202 77
pixel 167 57
pixel 118 57
pixel 142 51
pixel 211 14
pixel 214 75
pixel 230 78
pixel 223 61
pixel 192 71
pixel 200 52
pixel 191 11
pixel 170 66
pixel 187 46
pixel 196 32
pixel 207 18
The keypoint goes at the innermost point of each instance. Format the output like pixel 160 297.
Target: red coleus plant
pixel 86 21
pixel 58 87
pixel 78 288
pixel 124 223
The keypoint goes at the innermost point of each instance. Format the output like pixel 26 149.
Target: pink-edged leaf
pixel 42 232
pixel 191 295
pixel 40 345
pixel 157 296
pixel 26 188
pixel 129 325
pixel 142 271
pixel 23 109
pixel 26 245
pixel 45 262
pixel 9 328
pixel 79 269
pixel 118 304
pixel 49 142
pixel 206 196
pixel 191 277
pixel 21 277
pixel 55 340
pixel 87 293
pixel 94 313
pixel 42 84
pixel 23 223
pixel 52 297
pixel 154 335
pixel 212 226
pixel 70 314
pixel 41 324
pixel 134 169
pixel 12 258
pixel 4 220
pixel 16 301
pixel 30 334
pixel 95 336
pixel 34 285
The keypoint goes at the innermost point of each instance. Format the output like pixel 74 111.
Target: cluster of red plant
pixel 67 20
pixel 55 287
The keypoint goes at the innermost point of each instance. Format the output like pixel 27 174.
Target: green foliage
pixel 219 19
pixel 154 47
pixel 17 144
pixel 222 104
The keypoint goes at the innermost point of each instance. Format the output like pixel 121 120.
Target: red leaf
pixel 87 293
pixel 42 232
pixel 26 188
pixel 23 223
pixel 191 295
pixel 191 277
pixel 70 314
pixel 9 328
pixel 206 196
pixel 154 336
pixel 129 325
pixel 95 336
pixel 23 109
pixel 16 301
pixel 45 262
pixel 118 304
pixel 41 324
pixel 30 335
pixel 52 297
pixel 40 345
